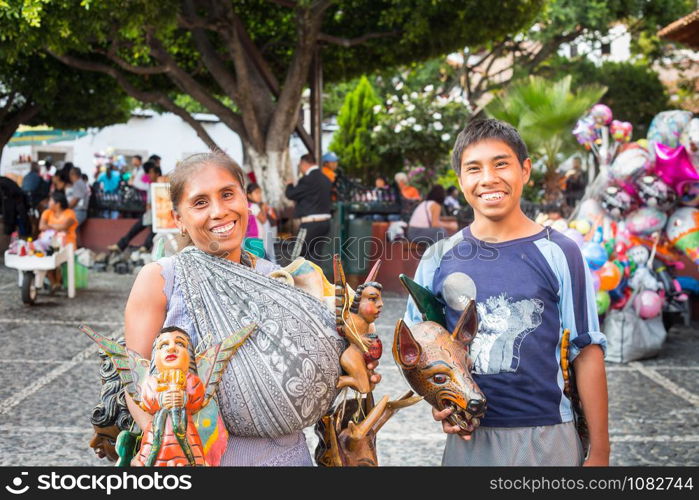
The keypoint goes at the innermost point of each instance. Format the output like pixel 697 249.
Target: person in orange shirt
pixel 62 219
pixel 329 165
pixel 406 191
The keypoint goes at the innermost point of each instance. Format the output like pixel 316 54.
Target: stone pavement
pixel 49 384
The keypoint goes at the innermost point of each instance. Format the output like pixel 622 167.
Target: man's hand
pixel 441 416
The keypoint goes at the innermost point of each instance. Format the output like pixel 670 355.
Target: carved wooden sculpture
pixel 436 362
pixel 344 443
pixel 173 392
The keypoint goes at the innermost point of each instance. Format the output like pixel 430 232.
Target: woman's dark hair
pixel 60 198
pixel 483 130
pixel 109 171
pixel 437 193
pixel 252 187
pixel 185 168
pixel 451 190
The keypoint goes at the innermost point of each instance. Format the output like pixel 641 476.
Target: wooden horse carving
pixel 436 362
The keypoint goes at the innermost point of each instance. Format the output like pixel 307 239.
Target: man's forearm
pixel 592 387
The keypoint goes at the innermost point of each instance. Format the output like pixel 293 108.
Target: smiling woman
pixel 284 376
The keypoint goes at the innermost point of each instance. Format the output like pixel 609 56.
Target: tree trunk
pixel 272 169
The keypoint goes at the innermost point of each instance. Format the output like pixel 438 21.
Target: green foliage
pixel 634 91
pixel 544 113
pixel 352 142
pixel 417 129
pixel 66 98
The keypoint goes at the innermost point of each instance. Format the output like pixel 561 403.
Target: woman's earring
pixel 183 232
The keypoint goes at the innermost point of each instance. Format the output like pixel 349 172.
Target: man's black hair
pixel 308 158
pixel 480 130
pixel 140 158
pixel 76 171
pixel 252 187
pixel 452 189
pixel 153 158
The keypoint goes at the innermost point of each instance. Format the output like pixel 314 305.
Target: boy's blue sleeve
pixel 576 294
pixel 424 275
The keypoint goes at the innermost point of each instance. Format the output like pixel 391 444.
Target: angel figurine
pixel 169 388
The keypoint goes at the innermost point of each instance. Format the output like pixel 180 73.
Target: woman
pixel 425 224
pixel 63 220
pixel 255 234
pixel 277 383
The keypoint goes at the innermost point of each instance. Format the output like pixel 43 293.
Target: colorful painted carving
pixel 346 440
pixel 173 392
pixel 436 362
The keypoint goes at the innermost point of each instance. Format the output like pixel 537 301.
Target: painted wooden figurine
pixel 170 388
pixel 436 362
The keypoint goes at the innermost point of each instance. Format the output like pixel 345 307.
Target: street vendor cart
pixel 32 271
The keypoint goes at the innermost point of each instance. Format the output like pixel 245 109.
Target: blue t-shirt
pixel 111 184
pixel 527 292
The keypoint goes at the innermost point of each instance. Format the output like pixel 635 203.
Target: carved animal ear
pixel 467 326
pixel 406 350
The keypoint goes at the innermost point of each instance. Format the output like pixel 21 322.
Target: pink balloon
pixel 674 167
pixel 595 280
pixel 648 304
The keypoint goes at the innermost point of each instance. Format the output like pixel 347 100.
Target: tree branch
pixel 190 86
pixel 352 42
pixel 28 111
pixel 158 98
pixel 137 70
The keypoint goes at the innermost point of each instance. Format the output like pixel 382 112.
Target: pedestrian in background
pixel 312 195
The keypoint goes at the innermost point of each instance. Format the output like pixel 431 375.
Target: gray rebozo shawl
pixel 283 377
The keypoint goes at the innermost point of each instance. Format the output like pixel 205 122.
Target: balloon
pixel 594 254
pixel 618 292
pixel 621 131
pixel 655 193
pixel 616 202
pixel 646 221
pixel 674 167
pixel 623 299
pixel 575 236
pixel 581 225
pixel 584 131
pixel 690 140
pixel 648 304
pixel 630 163
pixel 601 114
pixel 638 254
pixel 590 209
pixel 667 126
pixel 609 276
pixel 683 231
pixel 595 281
pixel 603 301
pixel 560 225
pixel 689 193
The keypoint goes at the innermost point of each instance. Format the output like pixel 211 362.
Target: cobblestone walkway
pixel 49 385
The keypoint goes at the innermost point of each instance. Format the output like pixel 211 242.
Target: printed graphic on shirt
pixel 503 325
pixel 458 289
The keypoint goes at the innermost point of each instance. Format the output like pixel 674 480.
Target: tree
pixel 634 91
pixel 544 113
pixel 40 90
pixel 352 142
pixel 494 64
pixel 256 54
pixel 417 128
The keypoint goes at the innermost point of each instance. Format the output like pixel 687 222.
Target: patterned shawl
pixel 283 378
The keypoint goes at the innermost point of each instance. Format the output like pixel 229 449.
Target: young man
pixel 529 283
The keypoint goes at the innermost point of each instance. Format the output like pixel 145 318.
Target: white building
pixel 146 133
